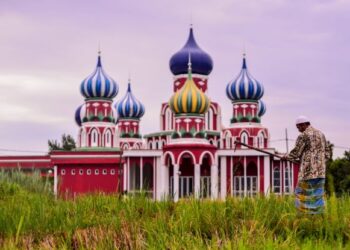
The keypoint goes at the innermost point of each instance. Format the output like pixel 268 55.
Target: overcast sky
pixel 298 49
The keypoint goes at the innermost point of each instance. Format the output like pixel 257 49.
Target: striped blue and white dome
pixel 80 113
pixel 261 108
pixel 99 84
pixel 244 86
pixel 129 106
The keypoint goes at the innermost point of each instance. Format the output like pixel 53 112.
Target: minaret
pixel 96 117
pixel 202 64
pixel 245 93
pixel 129 110
pixel 189 104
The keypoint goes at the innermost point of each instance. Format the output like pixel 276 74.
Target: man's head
pixel 302 122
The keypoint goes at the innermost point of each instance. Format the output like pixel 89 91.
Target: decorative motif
pixel 244 87
pixel 189 99
pixel 261 108
pixel 129 106
pixel 99 84
pixel 201 61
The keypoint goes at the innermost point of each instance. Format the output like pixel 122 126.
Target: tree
pixel 338 175
pixel 67 143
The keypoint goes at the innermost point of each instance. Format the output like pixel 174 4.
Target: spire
pixel 99 57
pixel 129 86
pixel 189 71
pixel 244 66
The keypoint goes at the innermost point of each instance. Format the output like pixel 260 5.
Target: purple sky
pixel 299 50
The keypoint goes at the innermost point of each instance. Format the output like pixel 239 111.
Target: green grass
pixel 31 218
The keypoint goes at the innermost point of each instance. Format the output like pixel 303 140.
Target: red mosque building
pixel 192 153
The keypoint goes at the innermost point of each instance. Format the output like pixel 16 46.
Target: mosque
pixel 190 154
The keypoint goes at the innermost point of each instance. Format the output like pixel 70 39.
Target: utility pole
pixel 287 146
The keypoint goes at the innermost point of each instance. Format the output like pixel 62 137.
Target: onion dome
pixel 129 106
pixel 244 87
pixel 99 84
pixel 189 99
pixel 201 61
pixel 261 108
pixel 80 113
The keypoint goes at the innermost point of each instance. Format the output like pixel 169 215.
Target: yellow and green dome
pixel 189 99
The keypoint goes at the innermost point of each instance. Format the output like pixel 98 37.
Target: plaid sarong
pixel 309 196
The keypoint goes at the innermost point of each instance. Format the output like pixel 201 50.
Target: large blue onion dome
pixel 244 86
pixel 80 113
pixel 261 108
pixel 129 106
pixel 189 99
pixel 201 61
pixel 99 84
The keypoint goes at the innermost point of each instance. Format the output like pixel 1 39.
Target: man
pixel 312 152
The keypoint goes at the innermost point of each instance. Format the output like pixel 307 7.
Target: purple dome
pixel 201 61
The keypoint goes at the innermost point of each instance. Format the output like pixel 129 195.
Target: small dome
pixel 99 84
pixel 261 108
pixel 201 61
pixel 189 99
pixel 129 106
pixel 244 87
pixel 80 113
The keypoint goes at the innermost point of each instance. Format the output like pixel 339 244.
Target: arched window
pixel 94 138
pixel 287 179
pixel 83 138
pixel 108 138
pixel 260 140
pixel 276 180
pixel 168 120
pixel 150 145
pixel 244 137
pixel 227 140
pixel 209 120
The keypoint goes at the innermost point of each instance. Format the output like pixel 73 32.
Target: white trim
pixel 200 141
pixel 25 161
pixel 55 181
pixel 131 153
pixel 211 156
pixel 85 156
pixel 186 152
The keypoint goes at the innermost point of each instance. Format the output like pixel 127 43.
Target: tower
pixel 129 111
pixel 96 117
pixel 245 93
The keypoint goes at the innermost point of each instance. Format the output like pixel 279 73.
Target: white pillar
pixel 214 181
pixel 223 178
pixel 258 177
pixel 176 182
pixel 55 181
pixel 267 174
pixel 141 173
pixel 197 180
pixel 245 175
pixel 125 177
pixel 128 174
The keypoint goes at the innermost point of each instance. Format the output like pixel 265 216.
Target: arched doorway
pixel 205 173
pixel 147 179
pixel 185 174
pixel 244 184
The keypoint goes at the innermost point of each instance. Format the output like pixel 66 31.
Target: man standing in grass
pixel 312 152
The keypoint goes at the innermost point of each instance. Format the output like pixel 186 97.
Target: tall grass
pixel 32 218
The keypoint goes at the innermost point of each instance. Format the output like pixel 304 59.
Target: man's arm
pixel 297 151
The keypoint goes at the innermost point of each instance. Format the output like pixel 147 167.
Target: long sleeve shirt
pixel 312 151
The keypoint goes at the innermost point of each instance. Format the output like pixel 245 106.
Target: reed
pixel 31 217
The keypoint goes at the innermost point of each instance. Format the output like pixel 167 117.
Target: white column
pixel 214 181
pixel 267 174
pixel 125 177
pixel 176 182
pixel 55 181
pixel 245 175
pixel 197 180
pixel 258 177
pixel 141 173
pixel 128 174
pixel 223 178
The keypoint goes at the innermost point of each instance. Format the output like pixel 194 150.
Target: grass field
pixel 31 218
